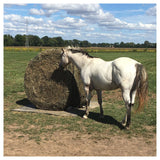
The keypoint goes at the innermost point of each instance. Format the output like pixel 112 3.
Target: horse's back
pixel 125 64
pixel 125 61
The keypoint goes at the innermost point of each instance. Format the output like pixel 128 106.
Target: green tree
pixel 122 44
pixel 8 40
pixel 116 44
pixel 76 42
pixel 34 40
pixel 19 40
pixel 147 44
pixel 85 44
pixel 60 41
pixel 45 41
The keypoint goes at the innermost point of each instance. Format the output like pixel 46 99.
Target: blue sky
pixel 96 23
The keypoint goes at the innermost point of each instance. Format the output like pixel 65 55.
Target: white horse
pixel 124 73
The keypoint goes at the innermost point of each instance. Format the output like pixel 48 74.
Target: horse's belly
pixel 103 84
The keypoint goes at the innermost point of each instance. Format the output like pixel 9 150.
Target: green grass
pixel 37 125
pixel 14 69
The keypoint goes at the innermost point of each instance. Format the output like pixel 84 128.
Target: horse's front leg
pixel 88 98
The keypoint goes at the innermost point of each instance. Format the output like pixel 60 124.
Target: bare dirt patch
pixel 77 144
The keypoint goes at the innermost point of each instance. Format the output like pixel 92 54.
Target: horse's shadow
pixel 79 112
pixel 96 117
pixel 106 119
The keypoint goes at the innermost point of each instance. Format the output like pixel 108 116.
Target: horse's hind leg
pixel 99 95
pixel 133 95
pixel 127 119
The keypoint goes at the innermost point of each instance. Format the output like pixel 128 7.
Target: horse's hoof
pixel 85 116
pixel 127 127
pixel 123 124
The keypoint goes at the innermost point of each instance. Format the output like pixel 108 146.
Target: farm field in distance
pixel 32 134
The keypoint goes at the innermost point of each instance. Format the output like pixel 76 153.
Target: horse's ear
pixel 69 47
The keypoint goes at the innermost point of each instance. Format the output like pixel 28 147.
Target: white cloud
pixel 15 4
pixel 77 34
pixel 34 11
pixel 17 24
pixel 80 21
pixel 58 32
pixel 118 24
pixel 20 4
pixel 91 14
pixel 146 26
pixel 70 23
pixel 69 20
pixel 9 27
pixel 151 11
pixel 71 8
pixel 33 20
pixel 12 17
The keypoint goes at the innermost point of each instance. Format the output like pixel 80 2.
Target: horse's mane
pixel 78 50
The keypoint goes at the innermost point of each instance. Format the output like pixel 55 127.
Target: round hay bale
pixel 49 87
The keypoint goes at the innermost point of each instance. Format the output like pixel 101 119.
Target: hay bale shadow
pixel 26 102
pixel 65 77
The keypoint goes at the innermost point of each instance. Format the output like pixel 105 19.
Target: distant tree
pixel 116 44
pixel 19 40
pixel 45 41
pixel 94 44
pixel 8 40
pixel 34 40
pixel 85 44
pixel 138 45
pixel 122 45
pixel 153 45
pixel 68 43
pixel 146 44
pixel 76 42
pixel 60 41
pixel 52 42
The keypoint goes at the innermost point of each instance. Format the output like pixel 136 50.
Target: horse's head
pixel 64 58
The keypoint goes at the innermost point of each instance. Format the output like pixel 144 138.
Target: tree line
pixel 33 40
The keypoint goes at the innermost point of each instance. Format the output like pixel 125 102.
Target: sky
pixel 97 23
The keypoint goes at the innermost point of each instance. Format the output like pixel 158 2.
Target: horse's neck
pixel 79 60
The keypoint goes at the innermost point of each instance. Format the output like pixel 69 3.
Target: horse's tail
pixel 141 84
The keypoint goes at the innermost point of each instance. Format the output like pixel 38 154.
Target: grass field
pixel 143 124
